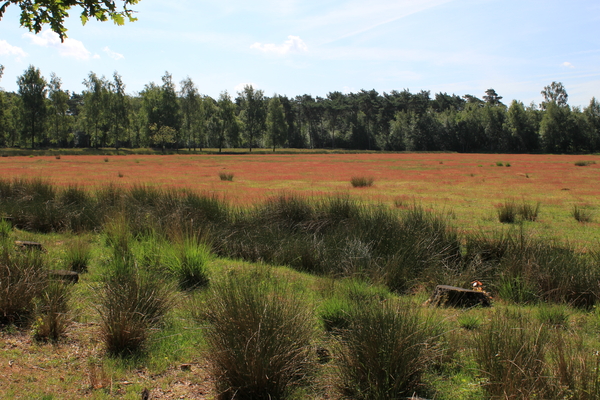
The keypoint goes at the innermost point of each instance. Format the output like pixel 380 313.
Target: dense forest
pixel 42 114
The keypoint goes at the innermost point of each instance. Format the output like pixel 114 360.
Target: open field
pixel 166 269
pixel 468 187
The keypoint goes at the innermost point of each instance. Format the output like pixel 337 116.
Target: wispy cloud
pixel 567 64
pixel 293 45
pixel 69 48
pixel 113 54
pixel 7 49
pixel 357 16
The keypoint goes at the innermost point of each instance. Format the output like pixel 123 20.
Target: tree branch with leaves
pixel 37 13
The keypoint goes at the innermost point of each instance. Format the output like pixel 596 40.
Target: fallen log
pixel 452 296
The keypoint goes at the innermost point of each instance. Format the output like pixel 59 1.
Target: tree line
pixel 43 114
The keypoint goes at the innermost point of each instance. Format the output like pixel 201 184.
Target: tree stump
pixel 64 275
pixel 26 245
pixel 451 296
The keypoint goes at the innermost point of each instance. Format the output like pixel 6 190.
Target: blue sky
pixel 295 47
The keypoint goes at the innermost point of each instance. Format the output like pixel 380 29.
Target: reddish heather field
pixel 468 186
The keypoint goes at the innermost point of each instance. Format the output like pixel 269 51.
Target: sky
pixel 296 47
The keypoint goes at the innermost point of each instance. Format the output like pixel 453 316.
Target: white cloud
pixel 112 54
pixel 8 50
pixel 69 48
pixel 567 64
pixel 293 45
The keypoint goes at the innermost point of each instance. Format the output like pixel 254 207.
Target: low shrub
pixel 385 351
pixel 226 176
pixel 260 337
pixel 362 181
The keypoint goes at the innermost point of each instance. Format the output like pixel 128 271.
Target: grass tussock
pixel 23 278
pixel 348 295
pixel 584 163
pixel 525 269
pixel 130 305
pixel 582 214
pixel 510 211
pixel 226 176
pixel 260 337
pixel 385 351
pixel 188 263
pixel 131 301
pixel 52 312
pixel 362 181
pixel 510 352
pixel 78 255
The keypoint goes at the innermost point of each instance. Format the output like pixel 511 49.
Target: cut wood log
pixel 451 296
pixel 64 275
pixel 27 245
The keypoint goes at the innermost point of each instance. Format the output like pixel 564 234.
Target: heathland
pixel 299 276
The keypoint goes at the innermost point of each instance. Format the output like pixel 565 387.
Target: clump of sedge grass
pixel 469 322
pixel 362 181
pixel 510 212
pixel 507 212
pixel 5 229
pixel 385 351
pixel 105 159
pixel 226 176
pixel 528 211
pixel 511 352
pixel 582 214
pixel 22 279
pixel 499 164
pixel 576 368
pixel 78 255
pixel 52 312
pixel 260 337
pixel 189 263
pixel 130 305
pixel 584 163
pixel 554 315
pixel 335 312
